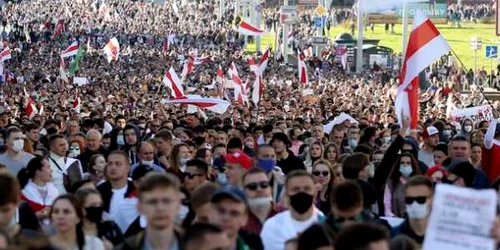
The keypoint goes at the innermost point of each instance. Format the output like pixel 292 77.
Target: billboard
pixel 436 10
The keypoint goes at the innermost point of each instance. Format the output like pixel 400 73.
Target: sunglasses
pixel 192 175
pixel 323 173
pixel 255 185
pixel 418 199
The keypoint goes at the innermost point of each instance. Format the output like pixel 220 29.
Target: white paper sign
pixel 476 114
pixel 80 81
pixel 461 219
pixel 338 120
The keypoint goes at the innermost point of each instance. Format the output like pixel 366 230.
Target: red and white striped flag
pixel 5 54
pixel 425 45
pixel 303 78
pixel 188 67
pixel 201 60
pixel 62 71
pixel 59 28
pixel 237 83
pixel 31 109
pixel 76 106
pixel 112 49
pixel 308 52
pixel 71 50
pixel 246 28
pixel 172 81
pixel 213 104
pixel 220 80
pixel 258 85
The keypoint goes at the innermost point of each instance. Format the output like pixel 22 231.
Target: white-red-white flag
pixel 5 54
pixel 76 106
pixel 308 52
pixel 188 67
pixel 213 104
pixel 174 83
pixel 258 85
pixel 31 109
pixel 112 49
pixel 62 71
pixel 246 28
pixel 425 45
pixel 71 50
pixel 303 78
pixel 237 84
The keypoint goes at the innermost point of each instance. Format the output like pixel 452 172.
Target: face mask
pixel 120 140
pixel 417 211
pixel 221 178
pixel 142 126
pixel 74 153
pixel 353 143
pixel 468 128
pixel 259 203
pixel 371 170
pixel 266 164
pixel 94 214
pixel 18 145
pixel 301 202
pixel 149 163
pixel 183 161
pixel 181 215
pixel 386 139
pixel 405 170
pixel 447 132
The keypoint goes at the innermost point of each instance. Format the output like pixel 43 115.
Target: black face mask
pixel 301 202
pixel 94 214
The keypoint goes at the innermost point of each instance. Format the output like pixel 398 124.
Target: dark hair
pixel 82 194
pixel 201 165
pixel 10 191
pixel 442 147
pixel 395 174
pixel 173 156
pixel 403 242
pixel 297 173
pixel 92 161
pixel 359 236
pixel 346 195
pixel 28 173
pixel 78 184
pixel 197 232
pixel 158 180
pixel 12 130
pixel 332 145
pixel 459 137
pixel 202 194
pixel 363 148
pixel 31 126
pixel 254 170
pixel 316 236
pixel 419 180
pixel 367 134
pixel 353 164
pixel 80 236
pixel 234 143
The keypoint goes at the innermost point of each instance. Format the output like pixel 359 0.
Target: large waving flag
pixel 239 92
pixel 425 45
pixel 59 28
pixel 188 67
pixel 31 109
pixel 112 49
pixel 173 82
pixel 213 104
pixel 258 85
pixel 246 28
pixel 74 65
pixel 5 54
pixel 303 78
pixel 71 50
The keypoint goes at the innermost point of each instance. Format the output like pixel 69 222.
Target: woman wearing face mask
pixel 96 166
pixel 394 201
pixel 332 154
pixel 178 159
pixel 67 218
pixel 314 153
pixel 385 136
pixel 74 149
pixel 467 127
pixel 108 231
pixel 323 178
pixel 37 188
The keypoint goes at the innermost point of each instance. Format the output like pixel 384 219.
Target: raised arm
pixel 490 135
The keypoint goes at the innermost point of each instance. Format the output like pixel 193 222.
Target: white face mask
pixel 468 128
pixel 386 139
pixel 417 211
pixel 259 203
pixel 222 178
pixel 18 145
pixel 181 215
pixel 120 140
pixel 183 161
pixel 405 170
pixel 149 163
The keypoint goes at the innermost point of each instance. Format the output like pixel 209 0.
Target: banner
pixel 476 114
pixel 461 219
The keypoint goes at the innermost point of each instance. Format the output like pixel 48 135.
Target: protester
pixel 14 157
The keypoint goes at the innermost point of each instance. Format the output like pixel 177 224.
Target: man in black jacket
pixel 287 161
pixel 93 147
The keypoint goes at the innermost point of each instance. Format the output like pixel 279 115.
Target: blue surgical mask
pixel 266 164
pixel 353 143
pixel 120 140
pixel 222 178
pixel 405 170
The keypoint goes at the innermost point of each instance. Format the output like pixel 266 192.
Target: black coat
pixel 85 157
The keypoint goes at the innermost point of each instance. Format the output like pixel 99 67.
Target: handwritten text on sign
pixel 476 114
pixel 461 219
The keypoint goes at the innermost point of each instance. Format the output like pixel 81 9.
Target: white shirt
pixel 117 198
pixel 282 227
pixel 57 174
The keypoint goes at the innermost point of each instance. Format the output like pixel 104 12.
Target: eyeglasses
pixel 192 175
pixel 418 199
pixel 255 185
pixel 318 173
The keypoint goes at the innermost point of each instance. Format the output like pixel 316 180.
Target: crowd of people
pixel 327 165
